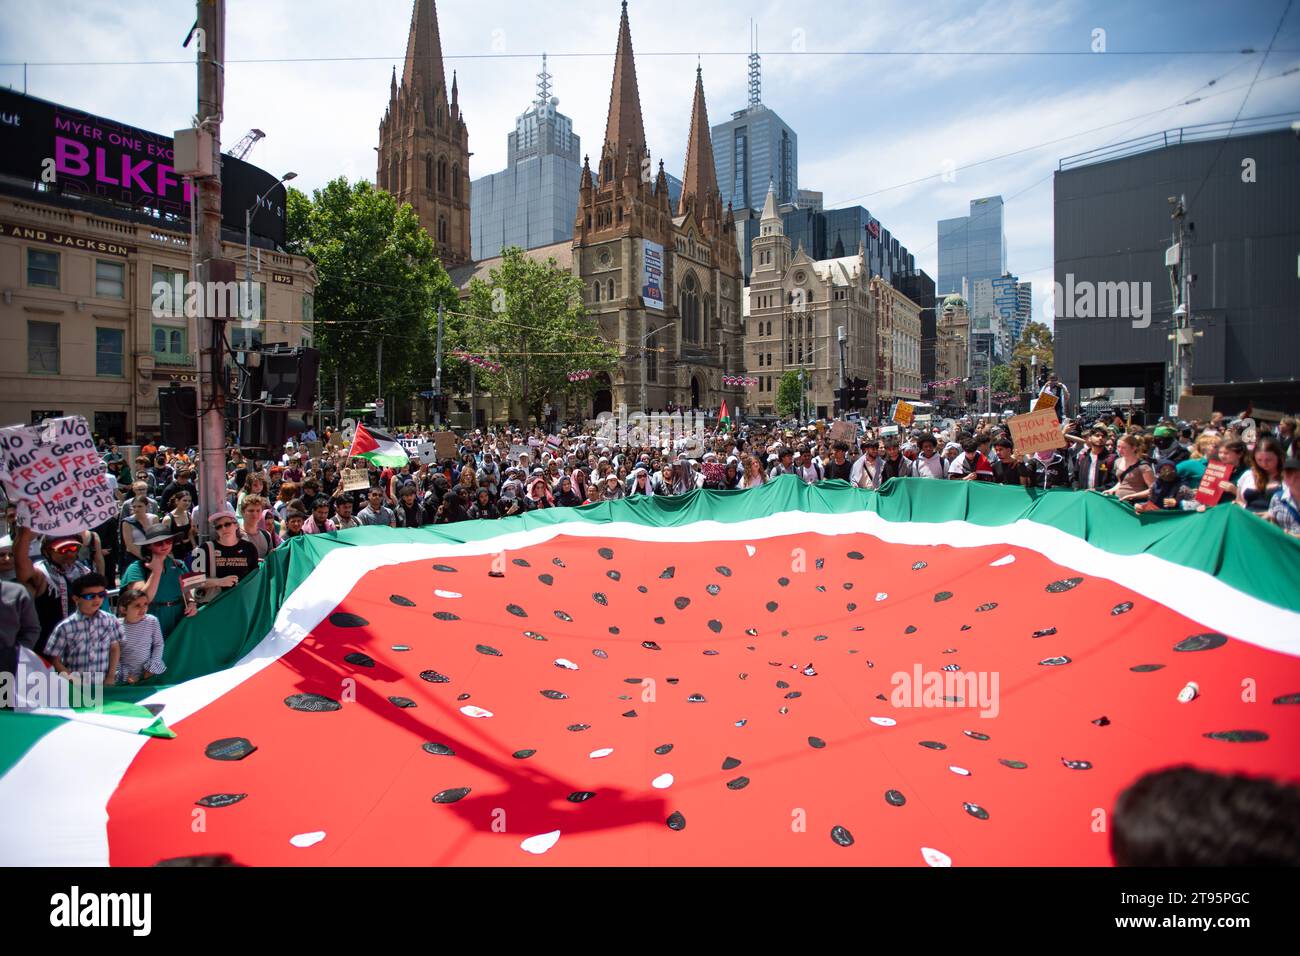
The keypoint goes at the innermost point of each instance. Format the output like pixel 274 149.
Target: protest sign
pixel 843 431
pixel 887 430
pixel 903 413
pixel 1045 400
pixel 55 475
pixel 516 451
pixel 1193 408
pixel 410 445
pixel 314 448
pixel 354 479
pixel 1211 490
pixel 1036 431
pixel 445 443
pixel 427 452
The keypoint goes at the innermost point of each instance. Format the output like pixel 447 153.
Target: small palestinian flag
pixel 724 418
pixel 377 448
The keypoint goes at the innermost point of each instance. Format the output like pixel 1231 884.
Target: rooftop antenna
pixel 543 84
pixel 755 70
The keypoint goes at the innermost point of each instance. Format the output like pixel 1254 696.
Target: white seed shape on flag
pixel 935 857
pixel 1005 559
pixel 469 710
pixel 307 839
pixel 662 782
pixel 541 843
pixel 959 770
pixel 566 664
pixel 602 752
pixel 884 721
pixel 881 595
pixel 446 594
pixel 751 549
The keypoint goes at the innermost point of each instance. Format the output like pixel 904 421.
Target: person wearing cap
pixel 7 568
pixel 229 558
pixel 162 574
pixel 1166 447
pixel 50 579
pixel 1284 507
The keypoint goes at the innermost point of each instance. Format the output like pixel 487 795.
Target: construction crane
pixel 245 145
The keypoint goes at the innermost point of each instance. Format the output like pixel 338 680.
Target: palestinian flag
pixel 377 448
pixel 724 417
pixel 939 673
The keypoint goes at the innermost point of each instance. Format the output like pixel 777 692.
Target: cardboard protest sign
pixel 1210 490
pixel 903 413
pixel 445 443
pixel 354 479
pixel 1036 431
pixel 427 452
pixel 314 448
pixel 516 451
pixel 1196 408
pixel 1045 400
pixel 55 475
pixel 843 431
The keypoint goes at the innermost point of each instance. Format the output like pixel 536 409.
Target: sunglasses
pixel 92 596
pixel 225 524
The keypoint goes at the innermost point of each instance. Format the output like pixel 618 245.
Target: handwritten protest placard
pixel 843 431
pixel 445 443
pixel 55 475
pixel 1036 431
pixel 1211 488
pixel 427 453
pixel 904 412
pixel 354 479
pixel 1045 400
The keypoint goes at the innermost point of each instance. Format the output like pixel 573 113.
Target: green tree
pixel 529 317
pixel 378 280
pixel 1036 340
pixel 1003 379
pixel 788 394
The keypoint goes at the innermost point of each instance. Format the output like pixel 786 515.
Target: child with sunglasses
pixel 88 642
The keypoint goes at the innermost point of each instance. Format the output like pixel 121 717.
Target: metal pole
pixel 379 377
pixel 644 339
pixel 207 240
pixel 437 376
pixel 843 341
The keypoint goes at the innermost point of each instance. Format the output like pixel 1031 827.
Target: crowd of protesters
pixel 53 590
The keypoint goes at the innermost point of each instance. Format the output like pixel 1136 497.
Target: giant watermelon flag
pixel 939 673
pixel 377 448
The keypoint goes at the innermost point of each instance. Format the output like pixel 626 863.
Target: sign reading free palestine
pixel 56 476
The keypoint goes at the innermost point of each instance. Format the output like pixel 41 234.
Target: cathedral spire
pixel 624 130
pixel 424 52
pixel 699 180
pixel 769 205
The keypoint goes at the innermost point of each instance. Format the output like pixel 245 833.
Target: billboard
pixel 101 159
pixel 652 274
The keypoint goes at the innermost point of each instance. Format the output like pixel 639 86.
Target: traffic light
pixel 1024 379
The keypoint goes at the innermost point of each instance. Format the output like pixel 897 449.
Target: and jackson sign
pixel 89 243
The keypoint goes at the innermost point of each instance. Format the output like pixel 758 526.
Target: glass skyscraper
pixel 972 247
pixel 752 149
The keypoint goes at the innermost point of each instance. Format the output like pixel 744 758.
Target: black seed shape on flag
pixel 359 659
pixel 1077 764
pixel 1065 584
pixel 740 783
pixel 950 650
pixel 312 703
pixel 516 610
pixel 651 646
pixel 401 647
pixel 851 606
pixel 1102 721
pixel 663 749
pixel 445 568
pixel 546 579
pixel 1054 661
pixel 854 555
pixel 841 836
pixel 975 735
pixel 345 619
pixel 1287 699
pixel 986 607
pixel 681 603
pixel 1045 632
pixel 821 563
pixel 614 575
pixel 667 573
pixel 403 702
pixel 401 601
pixel 1119 609
pixel 1201 642
pixel 520 562
pixel 580 796
pixel 1145 668
pixel 643 589
pixel 562 616
pixel 715 626
pixel 489 651
pixel 752 631
pixel 782 684
pixel 216 800
pixel 1013 764
pixel 723 570
pixel 597 652
pixel 742 722
pixel 975 810
pixel 910 629
pixel 614 629
pixel 438 750
pixel 772 606
pixel 713 589
pixel 953 700
pixel 629 713
pixel 523 754
pixel 784 582
pixel 534 636
pixel 606 553
pixel 1238 736
pixel 821 637
pixel 674 680
pixel 696 699
pixel 952 667
pixel 933 745
pixel 558 563
pixel 446 616
pixel 965 627
pixel 463 697
pixel 731 763
pixel 600 599
pixel 676 821
pixel 816 743
pixel 577 728
pixel 624 697
pixel 794 694
pixel 710 653
pixel 822 588
pixel 555 695
pixel 942 596
pixel 848 585
pixel 452 795
pixel 229 748
pixel 632 680
pixel 433 677
pixel 919 565
pixel 895 798
pixel 660 620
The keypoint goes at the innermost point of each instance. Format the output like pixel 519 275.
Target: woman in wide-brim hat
pixel 161 574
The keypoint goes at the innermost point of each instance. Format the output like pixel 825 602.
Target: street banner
pixel 1211 488
pixel 903 413
pixel 445 444
pixel 1036 431
pixel 56 476
pixel 354 479
pixel 652 274
pixel 1045 400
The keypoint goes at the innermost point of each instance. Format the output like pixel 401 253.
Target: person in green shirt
pixel 1192 470
pixel 161 574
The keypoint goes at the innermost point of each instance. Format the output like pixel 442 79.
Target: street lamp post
pixel 644 339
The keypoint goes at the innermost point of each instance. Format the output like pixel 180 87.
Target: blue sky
pixel 866 124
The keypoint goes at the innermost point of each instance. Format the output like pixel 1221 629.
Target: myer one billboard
pixel 652 274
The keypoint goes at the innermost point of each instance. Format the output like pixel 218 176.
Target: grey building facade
pixel 972 247
pixel 1113 225
pixel 751 150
